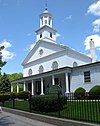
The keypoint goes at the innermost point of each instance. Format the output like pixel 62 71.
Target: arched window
pixel 75 64
pixel 41 52
pixel 30 72
pixel 41 69
pixel 54 65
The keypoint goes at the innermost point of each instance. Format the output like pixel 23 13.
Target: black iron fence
pixel 82 108
pixel 76 108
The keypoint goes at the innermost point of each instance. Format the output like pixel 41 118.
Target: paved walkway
pixel 8 119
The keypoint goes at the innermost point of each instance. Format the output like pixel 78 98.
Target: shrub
pixel 23 95
pixel 95 92
pixel 79 92
pixel 54 89
pixel 47 103
pixel 4 97
pixel 14 95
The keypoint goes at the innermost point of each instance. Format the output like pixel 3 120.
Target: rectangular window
pixel 45 21
pixel 50 34
pixel 49 20
pixel 41 35
pixel 42 20
pixel 56 81
pixel 87 77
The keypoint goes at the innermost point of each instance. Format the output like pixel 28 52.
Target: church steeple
pixel 46 31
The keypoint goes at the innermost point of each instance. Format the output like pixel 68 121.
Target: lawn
pixel 21 105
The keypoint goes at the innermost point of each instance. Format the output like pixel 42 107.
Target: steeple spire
pixel 46 5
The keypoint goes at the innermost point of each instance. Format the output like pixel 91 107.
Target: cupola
pixel 46 32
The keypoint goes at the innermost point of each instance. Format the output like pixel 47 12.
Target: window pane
pixel 87 77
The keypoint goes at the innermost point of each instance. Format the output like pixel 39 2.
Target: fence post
pixel 13 103
pixel 30 102
pixel 59 104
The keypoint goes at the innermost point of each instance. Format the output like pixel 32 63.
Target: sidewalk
pixel 9 119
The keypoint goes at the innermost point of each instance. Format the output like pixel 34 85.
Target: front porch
pixel 39 84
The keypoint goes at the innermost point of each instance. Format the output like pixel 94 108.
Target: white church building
pixel 50 63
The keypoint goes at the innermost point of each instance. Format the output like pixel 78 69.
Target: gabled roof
pixel 37 45
pixel 70 51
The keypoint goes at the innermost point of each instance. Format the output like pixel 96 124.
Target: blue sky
pixel 75 20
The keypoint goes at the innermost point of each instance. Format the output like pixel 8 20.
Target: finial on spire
pixel 91 39
pixel 46 4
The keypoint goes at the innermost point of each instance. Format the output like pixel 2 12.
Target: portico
pixel 39 84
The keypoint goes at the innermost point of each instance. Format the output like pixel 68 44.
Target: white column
pixel 24 86
pixel 66 81
pixel 17 88
pixel 32 87
pixel 53 80
pixel 42 86
pixel 11 87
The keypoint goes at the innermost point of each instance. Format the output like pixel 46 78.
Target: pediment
pixel 42 49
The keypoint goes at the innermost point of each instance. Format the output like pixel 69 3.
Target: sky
pixel 76 22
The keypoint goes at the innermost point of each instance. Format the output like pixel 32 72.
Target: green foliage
pixel 47 103
pixel 14 95
pixel 15 76
pixel 4 97
pixel 95 92
pixel 54 89
pixel 2 63
pixel 79 92
pixel 4 83
pixel 23 95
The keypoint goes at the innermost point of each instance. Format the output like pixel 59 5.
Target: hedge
pixel 95 92
pixel 4 97
pixel 47 103
pixel 14 95
pixel 23 95
pixel 79 92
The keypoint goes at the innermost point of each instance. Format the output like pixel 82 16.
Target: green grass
pixel 21 105
pixel 78 110
pixel 82 110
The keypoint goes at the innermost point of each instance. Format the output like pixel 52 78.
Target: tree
pixel 15 76
pixel 5 84
pixel 2 63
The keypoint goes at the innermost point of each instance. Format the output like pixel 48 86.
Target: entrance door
pixel 38 87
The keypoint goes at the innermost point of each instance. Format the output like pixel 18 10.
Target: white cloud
pixel 58 35
pixel 29 34
pixel 5 53
pixel 31 46
pixel 6 44
pixel 68 17
pixel 96 39
pixel 94 8
pixel 96 25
